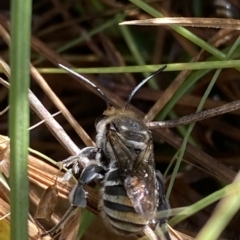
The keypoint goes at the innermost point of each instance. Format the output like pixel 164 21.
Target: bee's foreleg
pixel 86 155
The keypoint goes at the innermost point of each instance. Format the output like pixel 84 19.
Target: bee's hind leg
pixel 77 196
pixel 163 205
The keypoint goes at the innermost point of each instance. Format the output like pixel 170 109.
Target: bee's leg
pixel 92 154
pixel 163 205
pixel 77 196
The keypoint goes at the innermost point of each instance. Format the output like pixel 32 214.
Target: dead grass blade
pixel 4 155
pixel 47 203
pixel 189 22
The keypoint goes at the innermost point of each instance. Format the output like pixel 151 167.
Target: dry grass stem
pixel 190 22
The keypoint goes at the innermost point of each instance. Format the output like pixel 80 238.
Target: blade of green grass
pixel 224 212
pixel 203 203
pixel 87 219
pixel 19 116
pixel 205 66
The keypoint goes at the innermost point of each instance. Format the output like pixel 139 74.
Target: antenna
pixel 141 84
pixel 87 81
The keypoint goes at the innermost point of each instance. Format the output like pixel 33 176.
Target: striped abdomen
pixel 117 208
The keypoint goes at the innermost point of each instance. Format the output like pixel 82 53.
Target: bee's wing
pixel 141 185
pixel 138 173
pixel 122 153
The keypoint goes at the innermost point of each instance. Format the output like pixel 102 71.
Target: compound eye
pixel 99 119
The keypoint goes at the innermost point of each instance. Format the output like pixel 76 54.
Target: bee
pixel 132 198
pixel 132 190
